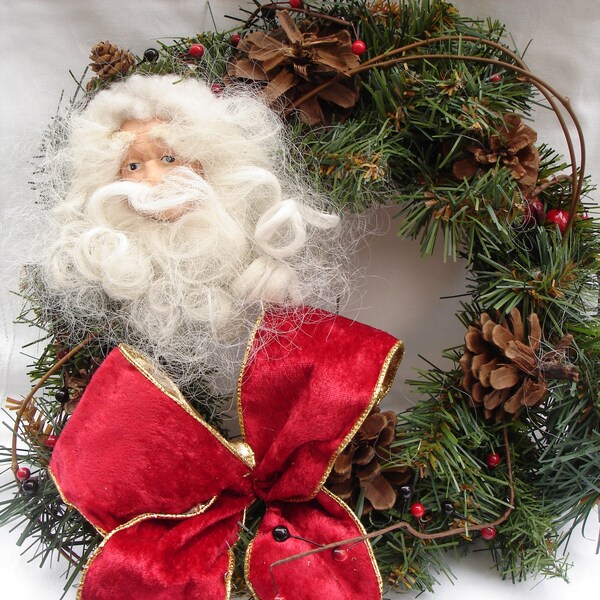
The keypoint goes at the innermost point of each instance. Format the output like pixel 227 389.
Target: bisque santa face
pixel 149 159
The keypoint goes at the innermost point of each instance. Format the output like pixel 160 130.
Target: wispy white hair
pixel 185 292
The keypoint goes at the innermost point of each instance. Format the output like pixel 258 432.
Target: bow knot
pixel 169 493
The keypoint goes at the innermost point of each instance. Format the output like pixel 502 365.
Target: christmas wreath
pixel 406 104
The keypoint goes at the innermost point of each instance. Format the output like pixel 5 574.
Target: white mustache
pixel 180 191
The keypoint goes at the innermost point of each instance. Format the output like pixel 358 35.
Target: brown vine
pixel 28 399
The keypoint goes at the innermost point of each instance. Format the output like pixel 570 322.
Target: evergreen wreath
pixel 406 104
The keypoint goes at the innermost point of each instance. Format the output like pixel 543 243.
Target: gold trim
pixel 197 511
pixel 162 381
pixel 363 531
pixel 159 378
pixel 84 570
pixel 238 396
pixel 232 551
pixel 229 572
pixel 101 531
pixel 244 450
pixel 382 387
pixel 247 569
pixel 388 370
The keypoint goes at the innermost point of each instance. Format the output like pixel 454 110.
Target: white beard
pixel 173 281
pixel 172 271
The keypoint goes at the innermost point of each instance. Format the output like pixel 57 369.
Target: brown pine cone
pixel 514 148
pixel 293 60
pixel 503 373
pixel 109 60
pixel 361 465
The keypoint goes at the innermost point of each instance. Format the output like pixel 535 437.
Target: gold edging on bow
pixel 363 531
pixel 382 387
pixel 229 573
pixel 167 387
pixel 197 511
pixel 247 569
pixel 238 396
pixel 99 529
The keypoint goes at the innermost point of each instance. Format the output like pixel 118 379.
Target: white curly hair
pixel 185 291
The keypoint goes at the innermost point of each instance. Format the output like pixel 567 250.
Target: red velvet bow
pixel 169 493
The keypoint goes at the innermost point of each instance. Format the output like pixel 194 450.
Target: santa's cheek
pixel 129 175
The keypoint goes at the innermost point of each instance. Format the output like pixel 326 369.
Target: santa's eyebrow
pixel 146 130
pixel 140 147
pixel 138 144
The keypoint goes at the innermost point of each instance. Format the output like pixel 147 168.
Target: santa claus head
pixel 180 218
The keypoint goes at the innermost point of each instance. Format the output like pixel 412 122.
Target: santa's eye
pixel 133 166
pixel 168 159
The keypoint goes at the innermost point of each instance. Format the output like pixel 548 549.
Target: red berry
pixel 340 554
pixel 538 210
pixel 417 510
pixel 279 597
pixel 215 88
pixel 359 47
pixel 51 441
pixel 235 39
pixel 496 77
pixel 558 217
pixel 492 460
pixel 23 473
pixel 488 533
pixel 296 3
pixel 196 50
pixel 534 210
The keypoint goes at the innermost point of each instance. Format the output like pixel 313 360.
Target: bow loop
pixel 318 522
pixel 131 448
pixel 306 393
pixel 161 558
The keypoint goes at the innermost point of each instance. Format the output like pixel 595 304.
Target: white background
pixel 40 41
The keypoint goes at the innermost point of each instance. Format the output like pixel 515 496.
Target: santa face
pixel 149 159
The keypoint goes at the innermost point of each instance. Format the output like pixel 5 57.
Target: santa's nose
pixel 154 171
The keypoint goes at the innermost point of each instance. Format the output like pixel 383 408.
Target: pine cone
pixel 291 62
pixel 384 11
pixel 109 60
pixel 76 384
pixel 504 374
pixel 514 147
pixel 360 465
